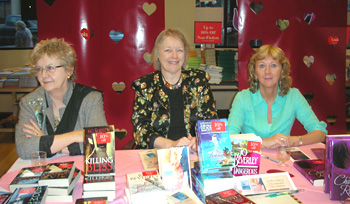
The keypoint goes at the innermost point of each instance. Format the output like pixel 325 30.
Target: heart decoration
pixel 116 36
pixel 86 33
pixel 118 87
pixel 333 41
pixel 256 7
pixel 149 8
pixel 120 134
pixel 308 60
pixel 50 2
pixel 331 78
pixel 255 43
pixel 235 21
pixel 282 24
pixel 309 18
pixel 309 97
pixel 331 119
pixel 147 58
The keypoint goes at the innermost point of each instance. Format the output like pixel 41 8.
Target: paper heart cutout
pixel 331 78
pixel 149 8
pixel 309 18
pixel 256 7
pixel 86 33
pixel 118 87
pixel 309 97
pixel 120 134
pixel 50 2
pixel 333 41
pixel 331 119
pixel 255 43
pixel 147 58
pixel 235 21
pixel 116 36
pixel 282 24
pixel 308 60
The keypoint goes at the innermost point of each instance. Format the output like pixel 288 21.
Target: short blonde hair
pixel 159 41
pixel 59 49
pixel 276 53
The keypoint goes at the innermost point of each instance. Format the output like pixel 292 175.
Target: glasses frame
pixel 48 69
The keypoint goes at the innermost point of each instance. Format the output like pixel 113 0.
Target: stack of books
pixel 226 59
pixel 37 194
pixel 215 73
pixel 210 57
pixel 194 62
pixel 99 165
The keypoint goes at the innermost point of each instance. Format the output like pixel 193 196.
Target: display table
pixel 128 161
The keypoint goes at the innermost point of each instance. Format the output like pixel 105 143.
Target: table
pixel 128 161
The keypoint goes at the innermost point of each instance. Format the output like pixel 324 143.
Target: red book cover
pixel 227 197
pixel 96 200
pixel 312 169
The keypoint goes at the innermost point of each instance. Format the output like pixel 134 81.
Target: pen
pixel 284 193
pixel 269 158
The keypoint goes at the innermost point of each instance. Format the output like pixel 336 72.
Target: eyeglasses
pixel 48 68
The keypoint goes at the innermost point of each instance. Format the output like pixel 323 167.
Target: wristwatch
pixel 300 140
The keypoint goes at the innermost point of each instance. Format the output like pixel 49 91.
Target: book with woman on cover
pixel 99 150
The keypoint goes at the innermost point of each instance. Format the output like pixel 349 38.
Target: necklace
pixel 172 86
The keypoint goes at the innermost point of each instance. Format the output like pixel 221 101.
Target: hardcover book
pixel 228 196
pixel 174 167
pixel 99 150
pixel 27 177
pixel 145 187
pixel 33 195
pixel 214 145
pixel 313 170
pixel 57 174
pixel 183 196
pixel 246 150
pixel 95 200
pixel 102 183
pixel 340 169
pixel 64 191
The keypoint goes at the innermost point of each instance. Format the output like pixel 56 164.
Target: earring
pixel 68 77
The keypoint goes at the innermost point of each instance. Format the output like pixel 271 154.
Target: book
pixel 288 198
pixel 246 150
pixel 183 196
pixel 99 150
pixel 340 169
pixel 145 187
pixel 320 153
pixel 34 195
pixel 57 174
pixel 95 200
pixel 214 145
pixel 91 194
pixel 228 196
pixel 174 167
pixel 64 191
pixel 312 169
pixel 103 183
pixel 27 177
pixel 68 198
pixel 4 196
pixel 297 154
pixel 149 159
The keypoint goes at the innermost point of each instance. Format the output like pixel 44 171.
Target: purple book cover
pixel 312 169
pixel 329 138
pixel 340 172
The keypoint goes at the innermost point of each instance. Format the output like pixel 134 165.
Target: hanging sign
pixel 207 32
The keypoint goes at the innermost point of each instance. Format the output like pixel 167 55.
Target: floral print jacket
pixel 151 113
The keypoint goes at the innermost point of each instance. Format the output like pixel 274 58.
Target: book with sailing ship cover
pixel 312 169
pixel 99 150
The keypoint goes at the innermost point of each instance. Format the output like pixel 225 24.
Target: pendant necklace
pixel 172 86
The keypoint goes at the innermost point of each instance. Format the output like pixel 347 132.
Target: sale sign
pixel 207 32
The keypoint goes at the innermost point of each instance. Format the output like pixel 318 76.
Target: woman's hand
pixel 32 129
pixel 274 141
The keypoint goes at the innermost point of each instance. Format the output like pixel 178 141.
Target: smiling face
pixel 56 81
pixel 171 55
pixel 268 72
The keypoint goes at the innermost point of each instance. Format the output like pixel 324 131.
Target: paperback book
pixel 57 174
pixel 91 194
pixel 174 167
pixel 246 150
pixel 27 177
pixel 214 145
pixel 68 198
pixel 95 200
pixel 149 159
pixel 228 196
pixel 33 195
pixel 99 150
pixel 297 154
pixel 183 196
pixel 4 196
pixel 320 153
pixel 99 183
pixel 313 170
pixel 64 191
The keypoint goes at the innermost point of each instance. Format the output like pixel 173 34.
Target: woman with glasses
pixel 52 117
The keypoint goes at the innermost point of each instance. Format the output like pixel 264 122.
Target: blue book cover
pixel 34 195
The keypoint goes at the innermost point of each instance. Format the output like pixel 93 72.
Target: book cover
pixel 214 145
pixel 174 167
pixel 95 200
pixel 183 196
pixel 149 159
pixel 340 169
pixel 33 195
pixel 99 150
pixel 93 183
pixel 297 154
pixel 246 150
pixel 145 187
pixel 27 177
pixel 320 153
pixel 57 174
pixel 313 170
pixel 4 196
pixel 228 196
pixel 64 191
